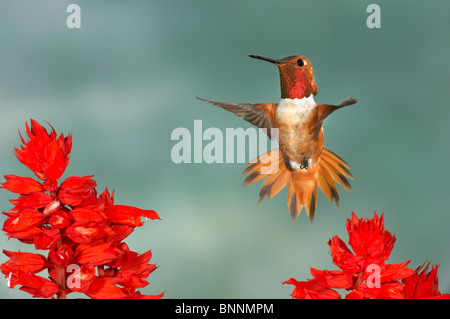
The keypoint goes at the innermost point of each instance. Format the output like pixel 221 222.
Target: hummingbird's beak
pixel 274 61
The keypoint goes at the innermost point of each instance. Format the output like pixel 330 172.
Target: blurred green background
pixel 124 81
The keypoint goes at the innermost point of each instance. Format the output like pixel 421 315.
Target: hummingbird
pixel 304 164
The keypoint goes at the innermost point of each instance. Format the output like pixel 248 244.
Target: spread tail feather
pixel 302 184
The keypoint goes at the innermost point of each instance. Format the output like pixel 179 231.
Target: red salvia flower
pixel 82 231
pixel 364 271
pixel 423 285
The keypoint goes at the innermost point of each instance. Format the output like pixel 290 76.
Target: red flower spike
pixel 364 272
pixel 81 231
pixel 368 237
pixel 423 285
pixel 44 154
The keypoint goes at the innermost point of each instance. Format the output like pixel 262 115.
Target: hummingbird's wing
pixel 258 114
pixel 326 109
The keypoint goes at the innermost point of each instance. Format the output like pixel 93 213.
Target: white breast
pixel 295 108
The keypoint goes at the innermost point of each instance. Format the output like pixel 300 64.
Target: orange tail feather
pixel 302 184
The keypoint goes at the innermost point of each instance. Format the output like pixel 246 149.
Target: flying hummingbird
pixel 304 164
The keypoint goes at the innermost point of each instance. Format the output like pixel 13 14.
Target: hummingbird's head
pixel 296 76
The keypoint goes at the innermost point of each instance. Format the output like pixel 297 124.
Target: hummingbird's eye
pixel 300 62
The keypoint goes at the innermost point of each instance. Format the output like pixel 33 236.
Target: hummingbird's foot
pixel 291 165
pixel 305 163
